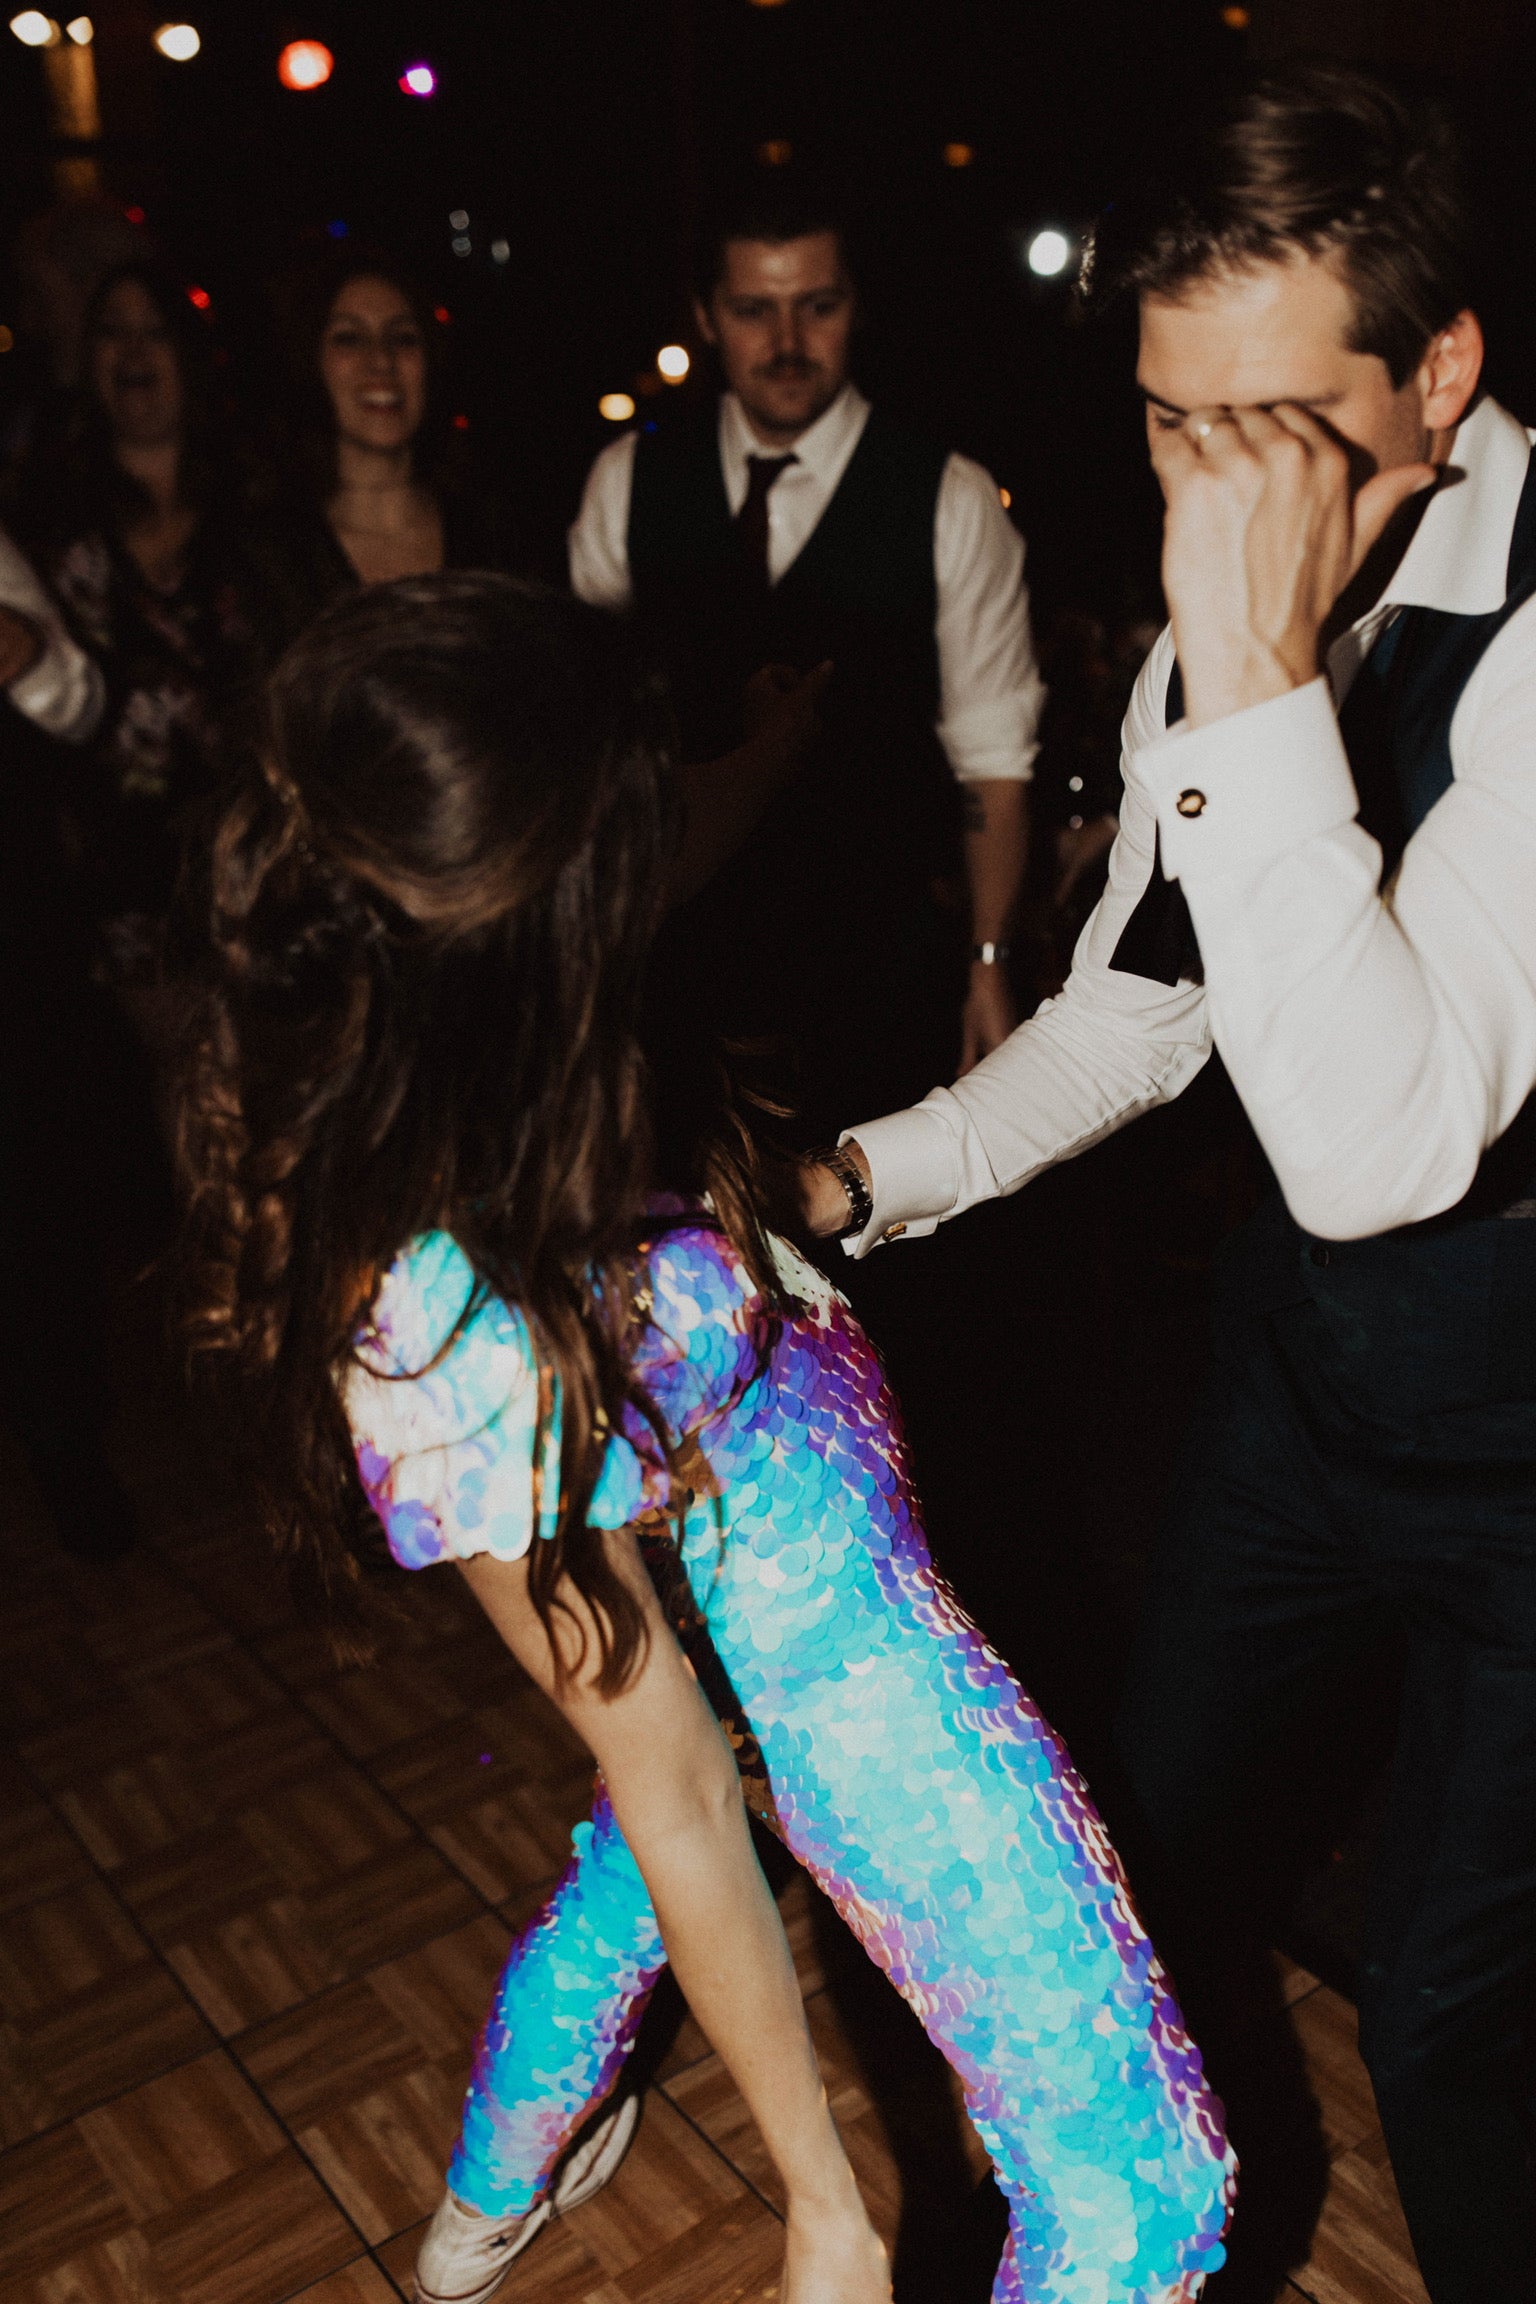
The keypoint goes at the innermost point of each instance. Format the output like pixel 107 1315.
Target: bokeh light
pixel 959 155
pixel 1005 497
pixel 1236 19
pixel 617 407
pixel 33 29
pixel 501 251
pixel 179 43
pixel 200 298
pixel 672 361
pixel 1048 254
pixel 81 30
pixel 305 64
pixel 7 339
pixel 776 153
pixel 418 80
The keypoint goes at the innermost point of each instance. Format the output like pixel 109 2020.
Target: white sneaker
pixel 465 2256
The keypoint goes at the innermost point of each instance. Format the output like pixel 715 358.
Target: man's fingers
pixel 1384 496
pixel 1174 456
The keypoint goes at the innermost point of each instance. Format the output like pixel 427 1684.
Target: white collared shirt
pixel 991 695
pixel 63 693
pixel 1380 1042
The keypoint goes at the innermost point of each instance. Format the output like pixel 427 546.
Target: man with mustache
pixel 790 525
pixel 1326 865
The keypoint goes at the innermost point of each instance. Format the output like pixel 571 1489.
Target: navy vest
pixel 1440 1316
pixel 878 795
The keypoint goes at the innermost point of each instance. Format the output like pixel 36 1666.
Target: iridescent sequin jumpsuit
pixel 909 1773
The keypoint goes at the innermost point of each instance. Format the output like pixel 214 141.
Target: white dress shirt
pixel 64 692
pixel 989 683
pixel 1380 1041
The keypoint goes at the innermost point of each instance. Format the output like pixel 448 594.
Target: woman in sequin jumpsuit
pixel 423 1141
pixel 907 1769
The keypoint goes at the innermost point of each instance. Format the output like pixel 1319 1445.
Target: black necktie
pixel 752 519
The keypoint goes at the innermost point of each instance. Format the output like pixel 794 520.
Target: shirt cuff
pixel 914 1167
pixel 1235 795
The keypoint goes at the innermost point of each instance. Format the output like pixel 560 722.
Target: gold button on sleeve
pixel 1190 802
pixel 894 1232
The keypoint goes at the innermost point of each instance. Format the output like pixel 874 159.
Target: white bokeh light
pixel 672 361
pixel 179 42
pixel 33 29
pixel 1048 254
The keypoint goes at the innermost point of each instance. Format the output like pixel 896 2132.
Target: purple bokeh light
pixel 418 80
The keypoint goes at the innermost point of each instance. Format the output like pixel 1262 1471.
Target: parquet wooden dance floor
pixel 250 1910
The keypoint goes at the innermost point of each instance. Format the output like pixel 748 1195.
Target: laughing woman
pixel 476 1275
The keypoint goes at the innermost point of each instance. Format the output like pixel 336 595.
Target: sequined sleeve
pixel 444 1413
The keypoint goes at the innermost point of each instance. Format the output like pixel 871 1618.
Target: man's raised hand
pixel 1264 530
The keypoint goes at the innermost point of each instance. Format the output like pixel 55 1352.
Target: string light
pixel 35 30
pixel 1236 19
pixel 81 30
pixel 672 361
pixel 501 251
pixel 7 340
pixel 616 407
pixel 305 64
pixel 200 298
pixel 178 43
pixel 959 155
pixel 418 80
pixel 1005 497
pixel 776 153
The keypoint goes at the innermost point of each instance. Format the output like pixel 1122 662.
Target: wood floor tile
pixel 236 1575
pixel 196 1883
pixel 91 2012
pixel 672 2188
pixel 1328 2030
pixel 261 2234
pixel 38 1854
pixel 44 1678
pixel 1361 2253
pixel 383 2154
pixel 441 1992
pixel 168 2142
pixel 509 1847
pixel 324 1827
pixel 254 1965
pixel 54 2201
pixel 319 2058
pixel 376 1706
pixel 391 1905
pixel 359 2283
pixel 735 2258
pixel 137 1617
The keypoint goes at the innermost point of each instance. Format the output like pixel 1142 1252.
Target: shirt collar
pixel 823 449
pixel 1458 559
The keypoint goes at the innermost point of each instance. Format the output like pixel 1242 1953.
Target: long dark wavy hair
pixel 421 952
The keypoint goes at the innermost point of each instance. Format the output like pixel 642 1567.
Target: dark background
pixel 584 134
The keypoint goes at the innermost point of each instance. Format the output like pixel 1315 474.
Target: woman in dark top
pixel 372 489
pixel 130 509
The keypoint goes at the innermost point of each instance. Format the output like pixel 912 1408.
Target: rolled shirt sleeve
pixel 598 542
pixel 63 693
pixel 991 692
pixel 1380 1040
pixel 1109 1047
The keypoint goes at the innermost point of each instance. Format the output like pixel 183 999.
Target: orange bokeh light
pixel 959 155
pixel 305 64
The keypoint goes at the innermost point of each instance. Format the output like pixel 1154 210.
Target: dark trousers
pixel 1307 1522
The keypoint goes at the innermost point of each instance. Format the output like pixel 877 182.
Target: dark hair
pixel 71 480
pixel 1316 157
pixel 432 897
pixel 772 204
pixel 306 307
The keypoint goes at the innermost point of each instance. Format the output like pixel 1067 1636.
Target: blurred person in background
pixel 787 523
pixel 60 257
pixel 373 481
pixel 131 508
pixel 65 1060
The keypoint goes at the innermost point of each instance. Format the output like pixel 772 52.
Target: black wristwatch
pixel 861 1201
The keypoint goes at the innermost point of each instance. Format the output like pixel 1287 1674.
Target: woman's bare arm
pixel 675 1792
